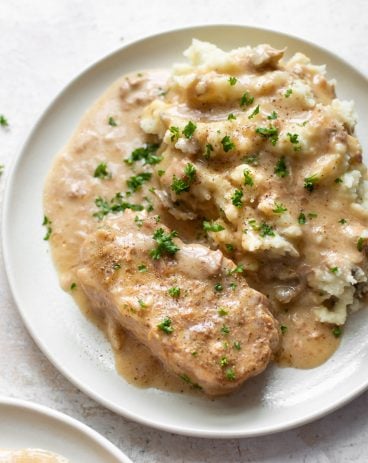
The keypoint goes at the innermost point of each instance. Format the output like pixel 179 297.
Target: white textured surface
pixel 43 45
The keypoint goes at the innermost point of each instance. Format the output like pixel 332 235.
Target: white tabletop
pixel 43 45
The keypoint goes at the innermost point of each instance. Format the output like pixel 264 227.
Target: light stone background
pixel 43 44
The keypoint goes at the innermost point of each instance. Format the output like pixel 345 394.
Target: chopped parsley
pixel 238 269
pixel 343 221
pixel 142 303
pixel 279 208
pixel 360 243
pixel 281 169
pixel 224 361
pixel 254 113
pixel 225 329
pixel 3 121
pixel 233 81
pixel 233 286
pixel 222 312
pixel 337 331
pixel 248 178
pixel 237 345
pixel 271 133
pixel 212 226
pixel 165 326
pixel 218 287
pixel 229 247
pixel 187 380
pixel 73 286
pixel 237 198
pixel 246 99
pixel 302 219
pixel 136 181
pixel 312 215
pixel 174 291
pixel 112 122
pixel 142 268
pixel 181 185
pixel 334 269
pixel 101 171
pixel 160 172
pixel 189 129
pixel 293 137
pixel 209 148
pixel 231 117
pixel 227 144
pixel 115 205
pixel 175 133
pixel 230 374
pixel 266 230
pixel 165 244
pixel 116 266
pixel 288 92
pixel 338 180
pixel 252 159
pixel 310 182
pixel 47 223
pixel 272 116
pixel 146 153
pixel 283 329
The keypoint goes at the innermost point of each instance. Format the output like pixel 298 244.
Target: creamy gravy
pixel 69 202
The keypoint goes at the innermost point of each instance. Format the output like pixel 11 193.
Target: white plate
pixel 278 399
pixel 28 425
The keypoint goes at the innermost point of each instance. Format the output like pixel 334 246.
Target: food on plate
pixel 214 217
pixel 30 456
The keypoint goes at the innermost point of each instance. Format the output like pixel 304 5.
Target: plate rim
pixel 71 422
pixel 9 182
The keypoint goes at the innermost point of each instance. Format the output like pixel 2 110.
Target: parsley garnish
pixel 73 286
pixel 222 312
pixel 272 116
pixel 231 117
pixel 160 172
pixel 233 80
pixel 281 169
pixel 270 133
pixel 186 379
pixel 283 329
pixel 3 121
pixel 334 269
pixel 246 99
pixel 142 268
pixel 343 221
pixel 248 178
pixel 175 133
pixel 218 287
pixel 254 113
pixel 225 329
pixel 288 92
pixel 360 243
pixel 252 159
pixel 310 182
pixel 302 219
pixel 227 144
pixel 293 137
pixel 165 244
pixel 180 185
pixel 237 345
pixel 238 269
pixel 112 122
pixel 165 326
pixel 266 230
pixel 101 171
pixel 337 331
pixel 174 291
pixel 212 226
pixel 47 223
pixel 115 205
pixel 224 361
pixel 237 198
pixel 116 266
pixel 146 153
pixel 189 129
pixel 229 247
pixel 136 181
pixel 233 286
pixel 279 208
pixel 142 303
pixel 230 374
pixel 209 148
pixel 338 180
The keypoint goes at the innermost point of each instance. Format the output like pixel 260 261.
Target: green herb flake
pixel 161 172
pixel 237 345
pixel 146 153
pixel 227 144
pixel 142 268
pixel 187 380
pixel 288 92
pixel 283 329
pixel 225 329
pixel 142 304
pixel 218 287
pixel 224 362
pixel 272 116
pixel 279 208
pixel 311 182
pixel 266 230
pixel 229 247
pixel 47 223
pixel 209 149
pixel 73 286
pixel 136 181
pixel 233 286
pixel 246 99
pixel 237 198
pixel 174 292
pixel 293 137
pixel 237 269
pixel 251 159
pixel 231 117
pixel 189 130
pixel 230 374
pixel 254 113
pixel 334 270
pixel 101 171
pixel 116 266
pixel 212 226
pixel 281 169
pixel 165 244
pixel 181 185
pixel 337 331
pixel 3 121
pixel 302 220
pixel 222 312
pixel 248 178
pixel 343 221
pixel 165 326
pixel 360 244
pixel 233 81
pixel 175 133
pixel 271 133
pixel 111 121
pixel 338 180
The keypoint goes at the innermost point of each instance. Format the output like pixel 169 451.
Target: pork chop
pixel 187 303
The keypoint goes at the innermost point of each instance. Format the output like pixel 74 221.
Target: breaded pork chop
pixel 188 304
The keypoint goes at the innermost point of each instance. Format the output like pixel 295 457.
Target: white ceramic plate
pixel 276 400
pixel 28 425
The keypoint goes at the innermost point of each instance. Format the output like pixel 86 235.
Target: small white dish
pixel 276 400
pixel 28 425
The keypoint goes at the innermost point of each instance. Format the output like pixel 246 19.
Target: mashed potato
pixel 260 151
